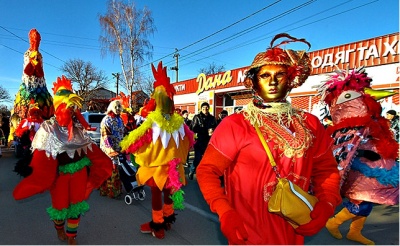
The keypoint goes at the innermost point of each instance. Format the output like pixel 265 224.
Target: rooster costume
pixel 299 145
pixel 66 162
pixel 33 86
pixel 364 148
pixel 160 146
pixel 25 132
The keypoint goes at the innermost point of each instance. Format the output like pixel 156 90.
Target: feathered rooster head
pixel 67 105
pixel 34 39
pixel 164 91
pixel 344 86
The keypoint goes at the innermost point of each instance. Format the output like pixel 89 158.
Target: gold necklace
pixel 274 123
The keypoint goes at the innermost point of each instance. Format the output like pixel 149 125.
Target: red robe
pixel 236 151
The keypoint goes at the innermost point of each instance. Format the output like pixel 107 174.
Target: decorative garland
pixel 73 211
pixel 175 184
pixel 383 176
pixel 75 166
pixel 171 125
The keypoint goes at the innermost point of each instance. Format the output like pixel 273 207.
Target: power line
pixel 202 50
pixel 198 41
pixel 28 43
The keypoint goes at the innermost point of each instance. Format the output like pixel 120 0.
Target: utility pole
pixel 116 75
pixel 176 68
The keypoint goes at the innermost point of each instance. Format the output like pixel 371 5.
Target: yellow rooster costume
pixel 160 147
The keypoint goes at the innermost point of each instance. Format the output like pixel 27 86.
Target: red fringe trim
pixel 379 130
pixel 145 139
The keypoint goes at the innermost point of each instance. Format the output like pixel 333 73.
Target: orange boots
pixel 356 226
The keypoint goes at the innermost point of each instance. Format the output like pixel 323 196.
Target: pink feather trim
pixel 173 182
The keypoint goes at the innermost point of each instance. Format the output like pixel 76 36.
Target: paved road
pixel 111 221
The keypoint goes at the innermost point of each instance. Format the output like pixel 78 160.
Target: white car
pixel 94 120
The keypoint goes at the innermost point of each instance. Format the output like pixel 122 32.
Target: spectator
pixel 185 115
pixel 298 142
pixel 112 131
pixel 5 126
pixel 221 116
pixel 393 117
pixel 203 125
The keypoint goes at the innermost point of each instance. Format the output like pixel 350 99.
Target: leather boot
pixel 333 223
pixel 72 241
pixel 61 234
pixel 355 231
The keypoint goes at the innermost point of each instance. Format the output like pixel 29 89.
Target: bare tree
pixel 126 32
pixel 146 84
pixel 212 69
pixel 87 77
pixel 4 95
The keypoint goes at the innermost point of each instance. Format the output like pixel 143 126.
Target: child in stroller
pixel 127 173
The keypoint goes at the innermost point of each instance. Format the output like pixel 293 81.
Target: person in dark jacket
pixel 203 125
pixel 393 117
pixel 185 115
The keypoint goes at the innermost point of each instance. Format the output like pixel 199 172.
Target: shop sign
pixel 180 87
pixel 212 82
pixel 372 52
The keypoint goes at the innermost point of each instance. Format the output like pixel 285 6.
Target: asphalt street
pixel 112 222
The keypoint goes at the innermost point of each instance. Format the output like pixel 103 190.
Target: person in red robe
pixel 299 144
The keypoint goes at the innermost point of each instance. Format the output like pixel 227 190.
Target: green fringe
pixel 75 166
pixel 73 211
pixel 177 198
pixel 133 161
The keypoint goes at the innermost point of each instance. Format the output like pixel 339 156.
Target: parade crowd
pixel 348 157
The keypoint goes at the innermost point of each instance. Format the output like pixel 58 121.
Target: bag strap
pixel 265 145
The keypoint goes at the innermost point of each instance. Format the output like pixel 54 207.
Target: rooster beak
pixel 379 94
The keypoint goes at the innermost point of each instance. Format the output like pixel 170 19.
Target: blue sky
pixel 228 32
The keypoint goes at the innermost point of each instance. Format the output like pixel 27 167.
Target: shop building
pixel 225 90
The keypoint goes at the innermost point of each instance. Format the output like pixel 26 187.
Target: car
pixel 94 120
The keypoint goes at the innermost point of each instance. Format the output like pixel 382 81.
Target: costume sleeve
pixel 44 173
pixel 211 167
pixel 100 169
pixel 218 157
pixel 325 175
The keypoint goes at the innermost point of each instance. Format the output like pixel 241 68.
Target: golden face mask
pixel 272 83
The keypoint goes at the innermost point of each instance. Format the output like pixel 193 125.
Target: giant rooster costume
pixel 33 86
pixel 66 162
pixel 364 148
pixel 160 146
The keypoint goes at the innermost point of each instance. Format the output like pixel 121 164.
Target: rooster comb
pixel 62 84
pixel 162 79
pixel 341 80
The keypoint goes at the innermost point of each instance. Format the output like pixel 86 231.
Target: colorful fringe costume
pixel 33 86
pixel 112 131
pixel 160 146
pixel 66 162
pixel 364 148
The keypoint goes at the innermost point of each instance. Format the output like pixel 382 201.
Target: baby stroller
pixel 127 173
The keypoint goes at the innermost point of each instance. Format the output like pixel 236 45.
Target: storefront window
pixel 228 101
